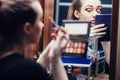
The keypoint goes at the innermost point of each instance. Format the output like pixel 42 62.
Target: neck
pixel 14 50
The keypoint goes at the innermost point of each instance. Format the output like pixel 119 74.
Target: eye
pixel 99 10
pixel 88 9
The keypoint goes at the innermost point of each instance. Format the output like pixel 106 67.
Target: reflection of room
pixel 107 9
pixel 62 9
pixel 82 58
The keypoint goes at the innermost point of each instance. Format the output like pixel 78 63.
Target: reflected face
pixel 89 9
pixel 38 26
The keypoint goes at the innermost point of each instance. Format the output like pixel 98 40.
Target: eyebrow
pixel 92 6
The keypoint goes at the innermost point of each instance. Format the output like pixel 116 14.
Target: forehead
pixel 37 7
pixel 91 2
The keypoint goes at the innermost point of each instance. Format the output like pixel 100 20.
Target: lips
pixel 92 21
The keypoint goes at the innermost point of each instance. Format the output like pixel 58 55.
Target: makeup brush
pixel 56 26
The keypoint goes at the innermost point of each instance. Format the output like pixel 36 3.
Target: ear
pixel 77 14
pixel 27 27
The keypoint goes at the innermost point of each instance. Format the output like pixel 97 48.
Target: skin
pixel 34 30
pixel 52 53
pixel 88 10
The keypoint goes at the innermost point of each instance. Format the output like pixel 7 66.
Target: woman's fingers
pixel 53 36
pixel 64 39
pixel 98 30
pixel 54 48
pixel 60 41
pixel 101 33
pixel 98 26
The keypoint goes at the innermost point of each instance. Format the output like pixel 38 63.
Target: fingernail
pixel 103 24
pixel 53 36
pixel 56 31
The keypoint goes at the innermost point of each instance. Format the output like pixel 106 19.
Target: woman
pixel 20 26
pixel 86 10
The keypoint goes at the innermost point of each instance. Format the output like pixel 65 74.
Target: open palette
pixel 79 35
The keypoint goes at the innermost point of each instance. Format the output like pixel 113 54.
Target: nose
pixel 42 25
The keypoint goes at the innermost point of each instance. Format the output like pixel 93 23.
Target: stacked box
pixel 78 68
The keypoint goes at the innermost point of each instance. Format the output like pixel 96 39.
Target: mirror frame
pixel 115 44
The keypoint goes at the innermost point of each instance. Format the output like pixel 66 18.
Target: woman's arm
pixel 58 70
pixel 52 55
pixel 43 57
pixel 106 48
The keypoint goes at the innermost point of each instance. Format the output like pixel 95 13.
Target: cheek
pixel 38 34
pixel 86 15
pixel 40 28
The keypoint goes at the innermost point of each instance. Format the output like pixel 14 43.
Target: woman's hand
pixel 99 30
pixel 54 48
pixel 60 38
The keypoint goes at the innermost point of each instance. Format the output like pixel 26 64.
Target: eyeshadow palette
pixel 79 35
pixel 76 49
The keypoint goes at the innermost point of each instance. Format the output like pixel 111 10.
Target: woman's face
pixel 38 26
pixel 89 9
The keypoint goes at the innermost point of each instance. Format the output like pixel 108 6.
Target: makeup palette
pixel 79 35
pixel 76 47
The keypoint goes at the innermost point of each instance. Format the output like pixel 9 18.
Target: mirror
pixel 62 10
pixel 63 5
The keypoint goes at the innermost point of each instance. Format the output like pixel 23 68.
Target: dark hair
pixel 13 15
pixel 75 5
